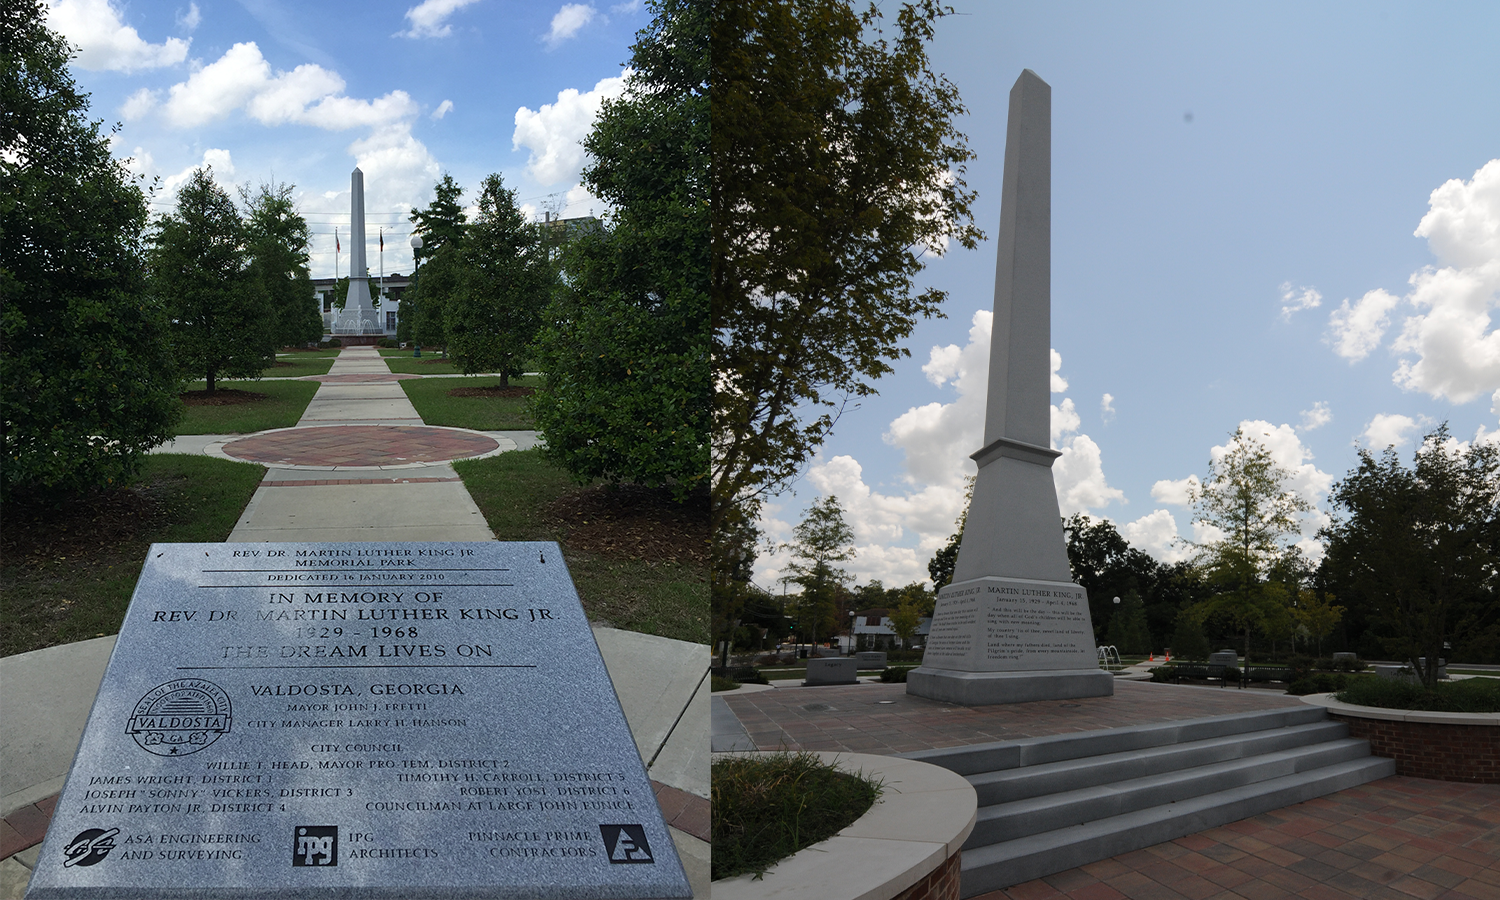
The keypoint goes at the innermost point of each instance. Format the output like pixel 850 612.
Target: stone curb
pixel 923 816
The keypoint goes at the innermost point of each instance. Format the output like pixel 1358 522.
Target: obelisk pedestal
pixel 359 316
pixel 1013 627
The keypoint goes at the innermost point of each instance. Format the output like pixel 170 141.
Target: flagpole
pixel 382 270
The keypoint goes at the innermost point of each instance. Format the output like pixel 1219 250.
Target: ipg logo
pixel 316 845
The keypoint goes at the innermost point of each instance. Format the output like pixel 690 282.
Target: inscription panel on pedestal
pixel 357 720
pixel 1010 624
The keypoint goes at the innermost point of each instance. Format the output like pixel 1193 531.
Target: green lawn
pixel 430 397
pixel 298 364
pixel 283 406
pixel 663 598
pixel 68 570
pixel 429 364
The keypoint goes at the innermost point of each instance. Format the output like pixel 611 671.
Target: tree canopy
pixel 200 268
pixel 624 344
pixel 87 380
pixel 277 236
pixel 836 168
pixel 438 268
pixel 1245 500
pixel 820 541
pixel 1420 546
pixel 504 282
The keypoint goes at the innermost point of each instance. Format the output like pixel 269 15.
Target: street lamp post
pixel 416 244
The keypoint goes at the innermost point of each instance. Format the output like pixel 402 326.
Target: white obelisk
pixel 1013 627
pixel 359 314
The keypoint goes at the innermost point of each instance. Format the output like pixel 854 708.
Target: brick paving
pixel 360 445
pixel 884 719
pixel 1392 839
pixel 364 378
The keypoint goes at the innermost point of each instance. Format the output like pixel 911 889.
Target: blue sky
pixel 302 92
pixel 1285 215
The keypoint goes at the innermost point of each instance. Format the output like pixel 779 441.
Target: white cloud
pixel 1458 352
pixel 216 159
pixel 105 42
pixel 1288 451
pixel 1293 302
pixel 1316 417
pixel 1059 383
pixel 1388 431
pixel 568 21
pixel 1156 534
pixel 138 104
pixel 1355 331
pixel 428 19
pixel 1079 477
pixel 554 134
pixel 1107 407
pixel 1176 493
pixel 1064 421
pixel 443 109
pixel 307 95
pixel 190 20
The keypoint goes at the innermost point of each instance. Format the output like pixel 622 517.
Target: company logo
pixel 316 845
pixel 180 717
pixel 626 843
pixel 89 847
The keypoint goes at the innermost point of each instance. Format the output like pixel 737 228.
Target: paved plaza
pixel 1393 839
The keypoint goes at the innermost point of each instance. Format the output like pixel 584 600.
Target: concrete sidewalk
pixel 373 494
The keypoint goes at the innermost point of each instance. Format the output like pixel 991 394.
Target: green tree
pixel 821 540
pixel 441 226
pixel 836 168
pixel 905 620
pixel 506 280
pixel 1420 546
pixel 200 268
pixel 1188 640
pixel 1317 613
pixel 277 238
pixel 1245 500
pixel 1127 626
pixel 625 341
pixel 87 381
pixel 1105 565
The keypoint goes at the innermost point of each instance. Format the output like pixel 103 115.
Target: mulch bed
pixel 635 522
pixel 39 529
pixel 222 397
pixel 492 392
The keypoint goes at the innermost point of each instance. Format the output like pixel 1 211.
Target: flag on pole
pixel 336 247
pixel 382 240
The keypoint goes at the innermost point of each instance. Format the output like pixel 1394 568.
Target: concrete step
pixel 978 758
pixel 1009 785
pixel 1047 852
pixel 1049 812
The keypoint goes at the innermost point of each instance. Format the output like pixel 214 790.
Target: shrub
pixel 1471 695
pixel 765 808
pixel 895 674
pixel 388 343
pixel 717 684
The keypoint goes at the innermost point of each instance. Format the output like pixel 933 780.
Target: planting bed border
pixel 1443 746
pixel 905 848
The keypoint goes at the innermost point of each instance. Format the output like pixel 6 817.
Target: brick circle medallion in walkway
pixel 360 446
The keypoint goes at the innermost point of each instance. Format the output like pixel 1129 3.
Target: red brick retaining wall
pixel 1429 750
pixel 940 884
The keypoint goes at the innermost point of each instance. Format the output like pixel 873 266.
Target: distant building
pixel 395 285
pixel 873 631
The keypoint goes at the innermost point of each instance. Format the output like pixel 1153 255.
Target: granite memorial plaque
pixel 357 720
